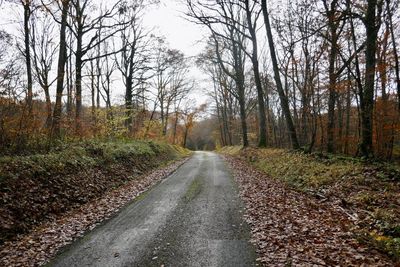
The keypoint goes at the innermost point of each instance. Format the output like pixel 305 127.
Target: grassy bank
pixel 37 188
pixel 368 191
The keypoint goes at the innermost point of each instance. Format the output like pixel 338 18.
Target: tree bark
pixel 395 53
pixel 78 75
pixel 62 58
pixel 282 96
pixel 262 142
pixel 332 76
pixel 27 15
pixel 367 104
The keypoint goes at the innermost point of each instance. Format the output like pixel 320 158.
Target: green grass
pixel 230 150
pixel 82 155
pixel 193 190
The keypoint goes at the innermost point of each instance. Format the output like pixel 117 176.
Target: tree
pixel 252 26
pixel 44 49
pixel 83 24
pixel 283 98
pixel 134 58
pixel 372 25
pixel 62 59
pixel 189 115
pixel 228 41
pixel 27 52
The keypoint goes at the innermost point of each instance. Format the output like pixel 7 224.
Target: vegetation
pixel 329 78
pixel 71 49
pixel 368 191
pixel 84 84
pixel 36 188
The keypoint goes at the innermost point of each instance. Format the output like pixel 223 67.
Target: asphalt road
pixel 192 218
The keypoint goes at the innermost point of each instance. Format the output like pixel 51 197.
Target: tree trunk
pixel 262 142
pixel 282 96
pixel 395 53
pixel 62 58
pixel 243 117
pixel 367 104
pixel 48 108
pixel 332 77
pixel 27 14
pixel 348 107
pixel 78 80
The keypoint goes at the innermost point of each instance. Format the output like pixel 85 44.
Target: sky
pixel 168 20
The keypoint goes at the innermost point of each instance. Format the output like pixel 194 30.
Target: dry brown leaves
pixel 43 242
pixel 292 229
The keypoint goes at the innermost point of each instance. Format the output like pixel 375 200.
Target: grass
pixel 82 155
pixel 34 188
pixel 193 190
pixel 371 188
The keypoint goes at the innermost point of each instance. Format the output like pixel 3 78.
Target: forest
pixel 311 75
pixel 291 107
pixel 328 79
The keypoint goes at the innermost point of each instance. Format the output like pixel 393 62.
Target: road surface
pixel 192 218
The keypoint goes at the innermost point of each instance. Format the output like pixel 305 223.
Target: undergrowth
pixel 371 189
pixel 38 187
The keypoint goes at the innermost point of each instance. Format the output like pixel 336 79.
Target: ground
pixel 209 210
pixel 193 218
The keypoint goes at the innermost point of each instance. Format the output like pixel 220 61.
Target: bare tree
pixel 62 59
pixel 94 30
pixel 44 49
pixel 282 95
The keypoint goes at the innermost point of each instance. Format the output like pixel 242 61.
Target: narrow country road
pixel 192 218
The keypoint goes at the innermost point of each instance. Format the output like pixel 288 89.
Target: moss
pixel 193 190
pixel 386 244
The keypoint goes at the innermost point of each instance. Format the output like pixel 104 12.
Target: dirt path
pixel 192 218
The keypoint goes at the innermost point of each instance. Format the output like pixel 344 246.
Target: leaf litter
pixel 290 228
pixel 42 243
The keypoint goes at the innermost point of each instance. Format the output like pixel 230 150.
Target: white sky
pixel 168 20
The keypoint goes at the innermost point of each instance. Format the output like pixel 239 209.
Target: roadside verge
pixel 131 178
pixel 292 227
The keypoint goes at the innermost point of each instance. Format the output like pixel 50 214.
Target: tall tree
pixel 94 30
pixel 282 96
pixel 44 50
pixel 226 26
pixel 62 59
pixel 27 52
pixel 372 24
pixel 252 26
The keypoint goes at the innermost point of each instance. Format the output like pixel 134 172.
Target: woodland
pixel 311 75
pixel 303 94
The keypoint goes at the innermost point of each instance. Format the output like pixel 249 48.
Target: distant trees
pixel 226 26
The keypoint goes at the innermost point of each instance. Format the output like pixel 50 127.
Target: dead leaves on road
pixel 43 242
pixel 293 229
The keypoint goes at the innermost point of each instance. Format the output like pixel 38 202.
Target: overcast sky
pixel 168 20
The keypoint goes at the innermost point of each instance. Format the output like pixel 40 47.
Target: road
pixel 192 218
